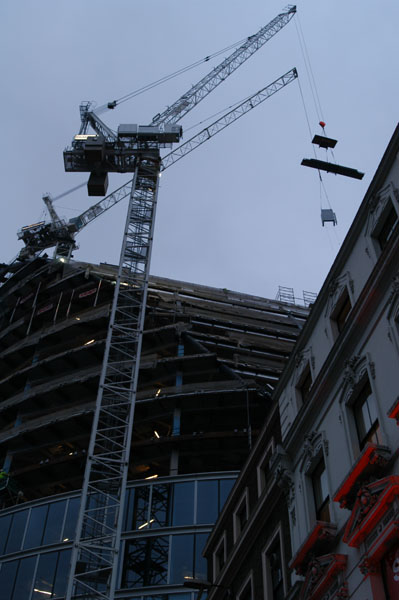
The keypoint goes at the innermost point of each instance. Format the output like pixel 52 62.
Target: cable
pixel 69 208
pixel 77 187
pixel 307 116
pixel 317 100
pixel 165 78
pixel 217 113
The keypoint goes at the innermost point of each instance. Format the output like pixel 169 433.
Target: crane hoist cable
pixel 165 78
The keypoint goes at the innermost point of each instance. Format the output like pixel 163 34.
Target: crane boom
pixel 228 118
pixel 48 201
pixel 42 235
pixel 178 153
pixel 200 90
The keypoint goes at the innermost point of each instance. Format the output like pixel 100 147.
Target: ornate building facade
pixel 325 525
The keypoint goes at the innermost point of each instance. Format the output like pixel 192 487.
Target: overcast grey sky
pixel 239 212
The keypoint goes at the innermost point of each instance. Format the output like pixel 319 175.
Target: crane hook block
pixel 111 104
pixel 323 165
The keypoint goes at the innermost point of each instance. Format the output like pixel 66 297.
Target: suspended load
pixel 323 165
pixel 328 216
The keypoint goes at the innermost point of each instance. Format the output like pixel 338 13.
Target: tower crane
pixel 134 149
pixel 61 234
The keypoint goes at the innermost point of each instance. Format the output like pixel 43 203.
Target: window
pixel 34 532
pixel 160 505
pixel 181 558
pixel 273 569
pixel 387 228
pixel 183 503
pixel 23 581
pixel 17 531
pixel 207 502
pixel 341 311
pixel 304 384
pixel 146 562
pixel 240 515
pixel 366 418
pixel 225 487
pixel 320 492
pixel 246 591
pixel 4 527
pixel 219 556
pixel 344 309
pixel 263 470
pixel 54 522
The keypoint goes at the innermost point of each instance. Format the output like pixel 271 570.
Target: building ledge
pixel 324 578
pixel 372 509
pixel 371 460
pixel 317 541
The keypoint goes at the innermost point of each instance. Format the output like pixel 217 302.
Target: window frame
pixel 221 545
pixel 387 207
pixel 362 368
pixel 266 568
pixel 260 468
pixel 343 300
pixel 375 428
pixel 238 527
pixel 305 374
pixel 242 589
pixel 317 481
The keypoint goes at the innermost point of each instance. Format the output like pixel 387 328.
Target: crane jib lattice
pixel 95 552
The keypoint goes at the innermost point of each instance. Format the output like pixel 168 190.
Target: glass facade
pixel 166 524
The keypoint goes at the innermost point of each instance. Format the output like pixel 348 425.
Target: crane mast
pixel 96 549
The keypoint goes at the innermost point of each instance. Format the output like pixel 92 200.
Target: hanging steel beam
pixel 323 165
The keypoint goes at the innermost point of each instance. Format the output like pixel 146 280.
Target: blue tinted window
pixel 225 489
pixel 45 576
pixel 160 506
pixel 16 531
pixel 23 582
pixel 7 575
pixel 4 527
pixel 183 503
pixel 34 532
pixel 71 519
pixel 146 562
pixel 54 522
pixel 182 556
pixel 62 573
pixel 141 498
pixel 200 566
pixel 207 502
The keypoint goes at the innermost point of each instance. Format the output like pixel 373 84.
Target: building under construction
pixel 210 359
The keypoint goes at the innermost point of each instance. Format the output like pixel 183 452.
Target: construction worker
pixel 3 475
